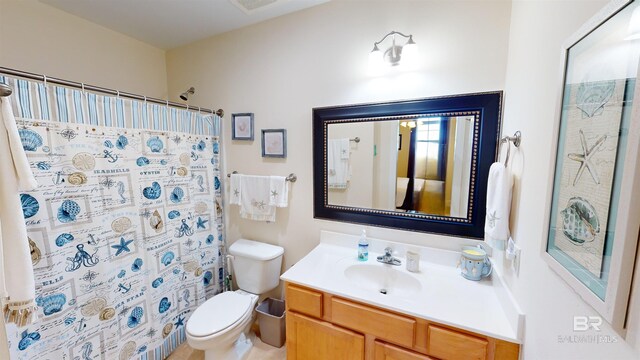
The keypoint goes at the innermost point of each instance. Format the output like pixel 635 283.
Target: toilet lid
pixel 218 313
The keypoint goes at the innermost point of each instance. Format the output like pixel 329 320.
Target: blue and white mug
pixel 474 263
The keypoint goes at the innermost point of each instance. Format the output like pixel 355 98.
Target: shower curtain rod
pixel 77 85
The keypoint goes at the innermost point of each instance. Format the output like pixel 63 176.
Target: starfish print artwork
pixel 585 158
pixel 122 247
pixel 201 223
pixel 492 219
pixel 180 321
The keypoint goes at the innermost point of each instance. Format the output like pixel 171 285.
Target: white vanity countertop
pixel 446 297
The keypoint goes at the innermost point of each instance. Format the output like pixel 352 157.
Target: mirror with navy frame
pixel 419 165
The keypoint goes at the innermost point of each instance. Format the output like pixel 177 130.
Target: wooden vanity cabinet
pixel 323 326
pixel 384 351
pixel 311 339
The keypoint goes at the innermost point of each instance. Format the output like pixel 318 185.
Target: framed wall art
pixel 242 126
pixel 274 143
pixel 593 227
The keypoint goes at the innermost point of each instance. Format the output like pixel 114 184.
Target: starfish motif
pixel 274 193
pixel 492 219
pixel 585 158
pixel 124 310
pixel 146 214
pixel 122 247
pixel 180 321
pixel 260 205
pixel 202 223
pixel 236 192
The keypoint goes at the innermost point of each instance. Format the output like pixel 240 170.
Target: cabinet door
pixel 311 339
pixel 384 351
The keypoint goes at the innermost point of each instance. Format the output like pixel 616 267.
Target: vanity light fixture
pixel 410 124
pixel 395 53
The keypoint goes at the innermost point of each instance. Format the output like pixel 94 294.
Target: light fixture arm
pixel 392 33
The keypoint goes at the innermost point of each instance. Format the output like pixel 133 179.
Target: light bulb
pixel 375 58
pixel 410 52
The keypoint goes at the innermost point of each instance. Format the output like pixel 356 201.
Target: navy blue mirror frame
pixel 486 106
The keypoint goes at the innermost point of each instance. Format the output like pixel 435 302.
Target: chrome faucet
pixel 388 258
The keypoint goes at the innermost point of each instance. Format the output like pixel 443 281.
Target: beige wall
pixel 384 165
pixel 281 69
pixel 538 30
pixel 41 39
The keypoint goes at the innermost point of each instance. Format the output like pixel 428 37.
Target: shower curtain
pixel 125 227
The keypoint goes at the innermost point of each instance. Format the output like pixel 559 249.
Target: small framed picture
pixel 274 143
pixel 242 126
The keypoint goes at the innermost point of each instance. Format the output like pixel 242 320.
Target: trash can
pixel 271 319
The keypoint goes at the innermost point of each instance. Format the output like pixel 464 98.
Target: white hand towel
pixel 279 195
pixel 255 192
pixel 338 163
pixel 499 185
pixel 16 270
pixel 235 186
pixel 26 180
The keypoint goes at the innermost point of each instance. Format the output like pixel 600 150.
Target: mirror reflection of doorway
pixel 425 165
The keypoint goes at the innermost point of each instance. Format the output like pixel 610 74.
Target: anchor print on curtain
pixel 124 229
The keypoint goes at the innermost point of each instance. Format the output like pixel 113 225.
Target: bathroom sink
pixel 382 279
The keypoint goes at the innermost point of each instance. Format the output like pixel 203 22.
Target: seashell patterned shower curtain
pixel 125 227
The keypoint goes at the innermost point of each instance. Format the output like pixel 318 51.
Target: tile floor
pixel 260 351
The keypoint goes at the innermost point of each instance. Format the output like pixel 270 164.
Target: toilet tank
pixel 256 265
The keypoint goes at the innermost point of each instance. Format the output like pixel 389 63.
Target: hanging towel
pixel 279 195
pixel 255 193
pixel 16 270
pixel 338 163
pixel 496 226
pixel 234 189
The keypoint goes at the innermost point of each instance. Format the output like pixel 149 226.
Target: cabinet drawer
pixel 384 351
pixel 303 300
pixel 313 339
pixel 383 325
pixel 448 344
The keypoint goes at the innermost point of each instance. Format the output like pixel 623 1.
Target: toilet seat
pixel 219 313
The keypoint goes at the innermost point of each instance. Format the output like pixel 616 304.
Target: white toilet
pixel 220 325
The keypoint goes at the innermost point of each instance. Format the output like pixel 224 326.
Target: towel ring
pixel 515 139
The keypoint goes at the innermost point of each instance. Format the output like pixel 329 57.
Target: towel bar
pixel 291 178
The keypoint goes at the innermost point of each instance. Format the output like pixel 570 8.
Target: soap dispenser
pixel 363 247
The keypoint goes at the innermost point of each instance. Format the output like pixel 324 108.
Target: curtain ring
pixel 44 79
pixel 82 87
pixel 117 94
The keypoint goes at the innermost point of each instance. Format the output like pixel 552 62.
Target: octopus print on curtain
pixel 125 227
